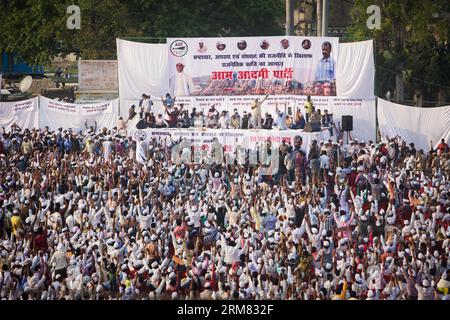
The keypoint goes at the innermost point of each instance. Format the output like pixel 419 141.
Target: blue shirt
pixel 325 70
pixel 301 124
pixel 60 143
pixel 169 101
pixel 269 222
pixel 68 145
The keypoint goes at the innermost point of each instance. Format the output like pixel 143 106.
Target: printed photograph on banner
pixel 253 66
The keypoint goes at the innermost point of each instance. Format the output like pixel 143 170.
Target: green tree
pixel 203 18
pixel 29 28
pixel 36 29
pixel 101 23
pixel 412 45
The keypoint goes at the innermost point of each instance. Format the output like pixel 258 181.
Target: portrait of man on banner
pixel 220 46
pixel 326 68
pixel 284 43
pixel 306 44
pixel 180 83
pixel 201 47
pixel 242 45
pixel 264 45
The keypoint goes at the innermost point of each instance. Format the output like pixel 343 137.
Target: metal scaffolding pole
pixel 289 17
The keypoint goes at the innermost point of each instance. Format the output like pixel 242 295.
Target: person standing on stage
pixel 256 112
pixel 308 108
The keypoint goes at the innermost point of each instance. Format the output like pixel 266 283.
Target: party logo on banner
pixel 178 48
pixel 141 134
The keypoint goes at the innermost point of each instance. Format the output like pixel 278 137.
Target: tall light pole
pixel 319 18
pixel 289 17
pixel 325 14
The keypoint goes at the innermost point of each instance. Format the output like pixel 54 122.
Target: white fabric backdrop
pixel 55 119
pixel 356 70
pixel 24 113
pixel 142 68
pixel 364 117
pixel 417 125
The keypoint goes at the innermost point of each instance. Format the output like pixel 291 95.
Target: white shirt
pixel 59 260
pixel 256 107
pixel 107 149
pixel 298 233
pixel 145 222
pixel 180 90
pixel 181 84
pixel 410 163
pixel 195 217
pixel 146 105
pixel 281 121
pixel 70 221
pixel 223 122
pixel 324 162
pixel 141 155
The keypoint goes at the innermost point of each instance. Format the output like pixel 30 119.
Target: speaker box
pixel 313 126
pixel 347 123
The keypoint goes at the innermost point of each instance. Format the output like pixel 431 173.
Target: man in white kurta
pixel 181 83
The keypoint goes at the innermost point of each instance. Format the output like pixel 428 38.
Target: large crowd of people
pixel 80 218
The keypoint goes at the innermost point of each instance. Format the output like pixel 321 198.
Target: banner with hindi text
pixel 56 114
pixel 24 113
pixel 252 66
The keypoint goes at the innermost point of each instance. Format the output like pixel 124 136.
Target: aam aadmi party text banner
pixel 253 66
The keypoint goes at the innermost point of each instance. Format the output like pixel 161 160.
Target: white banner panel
pixel 95 109
pixel 142 68
pixel 23 113
pixel 55 114
pixel 355 76
pixel 231 140
pixel 252 66
pixel 417 125
pixel 59 107
pixel 25 106
pixel 363 111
